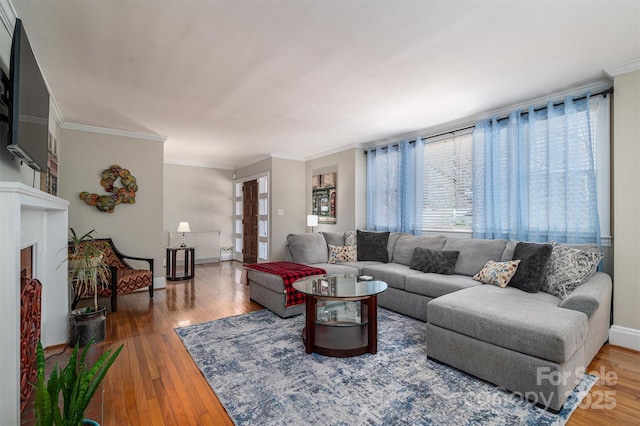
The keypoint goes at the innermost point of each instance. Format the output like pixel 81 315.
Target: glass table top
pixel 339 286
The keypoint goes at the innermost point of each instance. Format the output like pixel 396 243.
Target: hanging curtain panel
pixel 535 175
pixel 394 187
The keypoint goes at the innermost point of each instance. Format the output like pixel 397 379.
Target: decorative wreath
pixel 125 194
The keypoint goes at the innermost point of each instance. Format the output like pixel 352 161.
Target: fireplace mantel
pixel 30 217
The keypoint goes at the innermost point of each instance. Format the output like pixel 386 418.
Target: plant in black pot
pixel 87 271
pixel 77 382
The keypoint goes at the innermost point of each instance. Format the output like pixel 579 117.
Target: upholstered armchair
pixel 122 277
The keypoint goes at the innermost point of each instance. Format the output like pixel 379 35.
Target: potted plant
pixel 78 382
pixel 87 270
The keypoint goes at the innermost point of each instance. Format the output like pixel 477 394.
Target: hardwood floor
pixel 155 382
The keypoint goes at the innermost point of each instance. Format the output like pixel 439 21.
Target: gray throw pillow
pixel 334 238
pixel 434 261
pixel 534 259
pixel 373 246
pixel 308 248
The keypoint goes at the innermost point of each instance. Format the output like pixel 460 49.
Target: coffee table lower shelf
pixel 339 342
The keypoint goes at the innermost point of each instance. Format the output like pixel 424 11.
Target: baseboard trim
pixel 625 336
pixel 159 282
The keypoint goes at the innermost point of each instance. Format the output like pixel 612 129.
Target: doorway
pixel 250 221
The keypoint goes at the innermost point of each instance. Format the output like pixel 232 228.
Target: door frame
pixel 237 255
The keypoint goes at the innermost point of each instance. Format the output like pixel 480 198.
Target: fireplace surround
pixel 29 217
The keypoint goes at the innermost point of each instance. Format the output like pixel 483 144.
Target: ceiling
pixel 229 82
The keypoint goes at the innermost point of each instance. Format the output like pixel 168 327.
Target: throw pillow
pixel 534 259
pixel 373 246
pixel 497 273
pixel 307 248
pixel 568 269
pixel 434 261
pixel 350 238
pixel 334 238
pixel 342 253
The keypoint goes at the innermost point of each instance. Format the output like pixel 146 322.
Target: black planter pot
pixel 84 326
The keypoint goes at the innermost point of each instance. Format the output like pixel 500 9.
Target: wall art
pixel 324 195
pixel 126 194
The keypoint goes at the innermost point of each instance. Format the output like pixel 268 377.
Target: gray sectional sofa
pixel 535 344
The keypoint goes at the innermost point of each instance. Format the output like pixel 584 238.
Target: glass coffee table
pixel 341 314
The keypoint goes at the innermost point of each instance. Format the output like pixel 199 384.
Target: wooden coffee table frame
pixel 341 341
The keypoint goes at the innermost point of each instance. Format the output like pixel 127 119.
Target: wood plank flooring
pixel 155 382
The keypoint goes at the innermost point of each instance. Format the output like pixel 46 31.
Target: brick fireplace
pixel 30 218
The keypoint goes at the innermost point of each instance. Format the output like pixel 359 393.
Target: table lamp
pixel 183 227
pixel 312 220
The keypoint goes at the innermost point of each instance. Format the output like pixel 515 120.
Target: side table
pixel 189 263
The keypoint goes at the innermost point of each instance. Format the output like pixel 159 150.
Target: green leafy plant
pixel 78 381
pixel 87 268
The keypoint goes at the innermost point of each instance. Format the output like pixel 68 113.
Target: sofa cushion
pixel 393 274
pixel 568 268
pixel 436 285
pixel 338 268
pixel 407 243
pixel 342 253
pixel 308 248
pixel 373 246
pixel 534 259
pixel 434 261
pixel 530 323
pixel 474 254
pixel 334 238
pixel 497 273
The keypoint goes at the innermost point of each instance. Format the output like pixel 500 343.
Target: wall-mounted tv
pixel 28 104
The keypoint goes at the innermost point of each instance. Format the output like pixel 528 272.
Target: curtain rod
pixel 603 93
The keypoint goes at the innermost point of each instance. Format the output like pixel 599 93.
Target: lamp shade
pixel 184 227
pixel 312 220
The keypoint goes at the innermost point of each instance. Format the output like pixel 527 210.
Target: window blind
pixel 448 197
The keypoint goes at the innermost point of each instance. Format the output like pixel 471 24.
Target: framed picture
pixel 323 198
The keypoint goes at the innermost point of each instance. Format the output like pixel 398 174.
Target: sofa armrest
pixel 589 296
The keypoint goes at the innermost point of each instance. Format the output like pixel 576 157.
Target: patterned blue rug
pixel 257 366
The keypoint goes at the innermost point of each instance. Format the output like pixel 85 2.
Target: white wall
pixel 204 198
pixel 626 210
pixel 286 194
pixel 350 166
pixel 136 229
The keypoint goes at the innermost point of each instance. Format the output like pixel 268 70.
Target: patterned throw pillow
pixel 350 238
pixel 434 261
pixel 342 253
pixel 497 273
pixel 568 269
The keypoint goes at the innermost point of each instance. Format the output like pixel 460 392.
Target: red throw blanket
pixel 289 272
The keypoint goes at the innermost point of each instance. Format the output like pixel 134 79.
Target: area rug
pixel 257 366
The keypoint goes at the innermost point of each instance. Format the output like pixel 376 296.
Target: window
pixel 446 195
pixel 448 173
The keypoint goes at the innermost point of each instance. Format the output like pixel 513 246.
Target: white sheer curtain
pixel 535 173
pixel 395 182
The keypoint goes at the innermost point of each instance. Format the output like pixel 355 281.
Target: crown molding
pixel 190 164
pixel 113 132
pixel 623 68
pixel 336 150
pixel 8 15
pixel 55 111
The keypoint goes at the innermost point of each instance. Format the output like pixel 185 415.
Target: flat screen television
pixel 28 104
